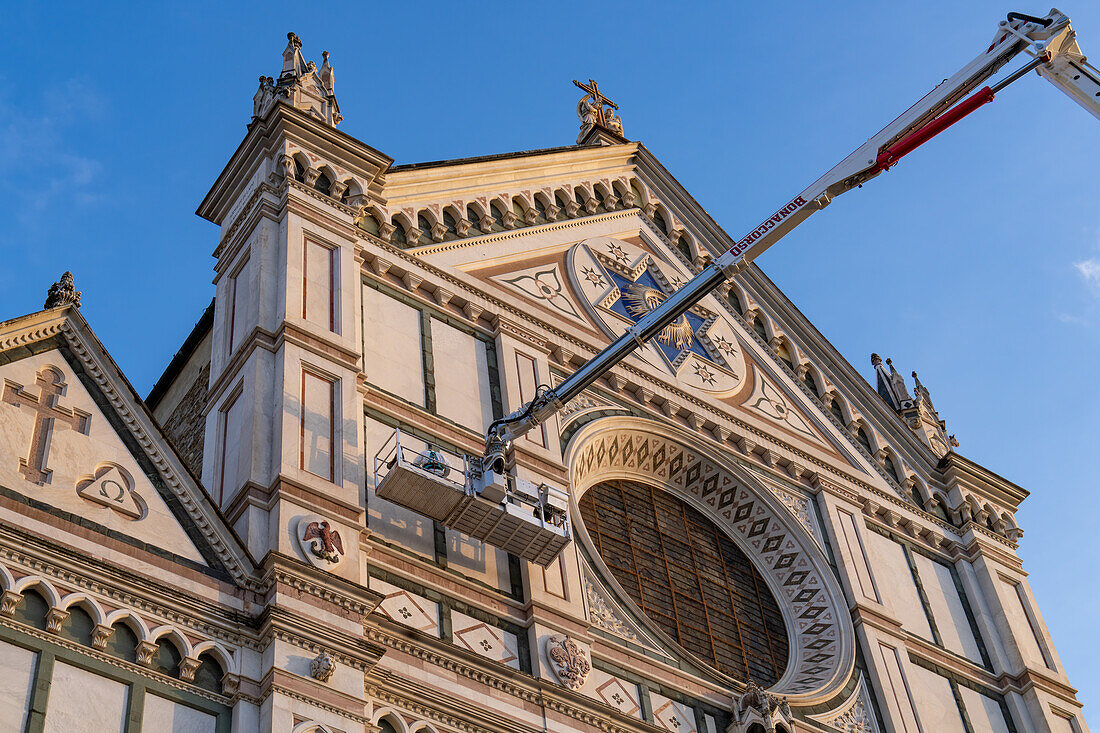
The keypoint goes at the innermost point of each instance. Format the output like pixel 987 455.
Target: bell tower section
pixel 284 420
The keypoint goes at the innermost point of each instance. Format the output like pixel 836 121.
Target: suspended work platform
pixel 526 519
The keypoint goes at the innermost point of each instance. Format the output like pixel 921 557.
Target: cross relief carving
pixel 49 416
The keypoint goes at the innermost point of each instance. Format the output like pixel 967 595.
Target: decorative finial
pixel 597 112
pixel 301 85
pixel 62 293
pixel 326 74
pixel 876 360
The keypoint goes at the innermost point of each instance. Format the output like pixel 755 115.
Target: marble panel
pixel 318 279
pixel 1023 631
pixel 395 524
pixel 620 694
pixel 165 716
pixel 895 584
pixel 408 608
pixel 485 640
pixel 462 388
pixel 947 608
pixel 85 702
pixel 984 712
pixel 935 703
pixel 392 355
pixel 317 425
pixel 16 685
pixel 671 715
pixel 476 559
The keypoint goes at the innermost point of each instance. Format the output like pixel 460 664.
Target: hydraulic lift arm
pixel 1049 41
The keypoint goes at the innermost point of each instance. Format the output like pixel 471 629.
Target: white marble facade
pixel 354 297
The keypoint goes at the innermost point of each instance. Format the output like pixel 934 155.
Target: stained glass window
pixel 689 578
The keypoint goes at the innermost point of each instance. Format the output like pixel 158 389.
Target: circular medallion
pixel 620 283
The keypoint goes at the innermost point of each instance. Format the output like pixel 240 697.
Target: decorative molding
pixel 602 615
pixel 854 715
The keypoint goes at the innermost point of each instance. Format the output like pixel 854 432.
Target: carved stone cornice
pixel 385 685
pixel 121 588
pixel 279 569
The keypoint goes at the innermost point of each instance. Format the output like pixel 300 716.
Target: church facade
pixel 730 531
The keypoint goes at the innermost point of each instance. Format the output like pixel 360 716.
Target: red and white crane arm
pixel 1052 46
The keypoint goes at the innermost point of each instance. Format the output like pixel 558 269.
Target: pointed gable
pixel 77 444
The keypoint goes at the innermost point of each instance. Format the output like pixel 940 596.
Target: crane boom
pixel 1048 40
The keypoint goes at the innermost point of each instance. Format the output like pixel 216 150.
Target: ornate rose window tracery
pixel 821 651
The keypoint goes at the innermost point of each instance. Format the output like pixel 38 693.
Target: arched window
pixel 810 382
pixel 659 222
pixel 385 726
pixel 322 184
pixel 540 210
pixel 78 626
pixel 758 327
pixel 834 407
pixel 425 228
pixel 451 225
pixel 369 224
pixel 299 171
pixel 32 610
pixel 941 511
pixel 123 643
pixel 398 237
pixel 637 191
pixel 784 354
pixel 734 301
pixel 498 214
pixel 864 440
pixel 209 674
pixel 167 658
pixel 475 220
pixel 689 577
pixel 892 470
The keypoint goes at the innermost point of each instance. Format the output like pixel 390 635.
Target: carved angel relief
pixel 568 661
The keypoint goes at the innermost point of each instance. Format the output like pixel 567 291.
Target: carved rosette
pixel 568 661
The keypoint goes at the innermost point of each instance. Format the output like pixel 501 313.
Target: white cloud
pixel 1090 270
pixel 38 165
pixel 1073 320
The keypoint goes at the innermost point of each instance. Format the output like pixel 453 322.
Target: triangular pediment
pixel 538 230
pixel 77 445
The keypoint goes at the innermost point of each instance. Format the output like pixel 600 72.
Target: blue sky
pixel 976 261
